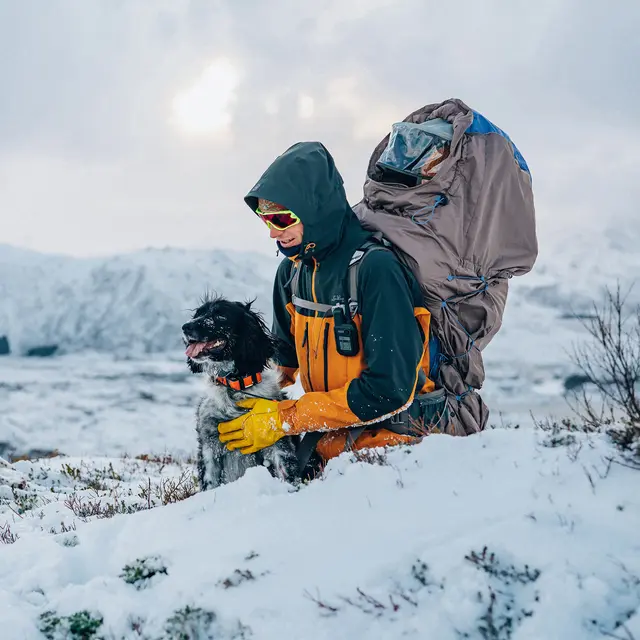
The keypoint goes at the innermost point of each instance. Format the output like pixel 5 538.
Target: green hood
pixel 305 180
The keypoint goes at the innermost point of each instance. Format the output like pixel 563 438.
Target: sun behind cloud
pixel 205 107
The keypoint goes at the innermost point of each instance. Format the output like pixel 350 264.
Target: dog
pixel 230 343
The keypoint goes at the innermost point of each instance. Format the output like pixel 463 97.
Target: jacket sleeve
pixel 393 350
pixel 286 358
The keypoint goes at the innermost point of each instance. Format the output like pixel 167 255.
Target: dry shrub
pixel 6 535
pixel 610 361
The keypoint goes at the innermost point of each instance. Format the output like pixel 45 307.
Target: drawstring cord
pixel 457 298
pixel 437 202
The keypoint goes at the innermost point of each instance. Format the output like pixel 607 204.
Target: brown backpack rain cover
pixel 463 233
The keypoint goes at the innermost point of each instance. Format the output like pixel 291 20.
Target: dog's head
pixel 226 335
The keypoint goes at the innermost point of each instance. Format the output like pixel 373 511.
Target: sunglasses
pixel 279 220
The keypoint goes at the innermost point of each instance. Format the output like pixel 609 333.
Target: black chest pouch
pixel 345 333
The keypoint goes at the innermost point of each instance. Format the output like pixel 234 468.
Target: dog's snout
pixel 188 328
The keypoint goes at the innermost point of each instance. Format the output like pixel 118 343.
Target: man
pixel 357 373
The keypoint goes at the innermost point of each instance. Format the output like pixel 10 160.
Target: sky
pixel 127 124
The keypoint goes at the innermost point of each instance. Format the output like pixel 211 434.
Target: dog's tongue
pixel 196 348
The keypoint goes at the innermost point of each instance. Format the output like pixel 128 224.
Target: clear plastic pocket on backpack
pixel 415 151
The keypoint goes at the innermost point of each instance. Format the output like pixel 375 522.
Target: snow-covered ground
pixel 97 404
pixel 510 534
pixel 367 550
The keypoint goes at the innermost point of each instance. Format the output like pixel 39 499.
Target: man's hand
pixel 259 428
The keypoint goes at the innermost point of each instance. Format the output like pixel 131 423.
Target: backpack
pixel 464 232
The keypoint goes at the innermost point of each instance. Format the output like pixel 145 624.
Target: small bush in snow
pixel 627 438
pixel 63 529
pixel 611 363
pixel 559 440
pixel 85 508
pixel 237 578
pixel 489 563
pixel 69 540
pixel 387 601
pixel 165 459
pixel 563 433
pixel 503 599
pixel 25 501
pixel 169 490
pixel 371 456
pixel 92 478
pixel 200 624
pixel 73 473
pixel 499 620
pixel 6 535
pixel 189 623
pixel 81 625
pixel 136 624
pixel 142 570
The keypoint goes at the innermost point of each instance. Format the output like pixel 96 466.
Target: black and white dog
pixel 231 345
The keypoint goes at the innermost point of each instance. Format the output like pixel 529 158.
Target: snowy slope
pixel 391 550
pixel 131 303
pixel 135 303
pixel 501 536
pixel 530 358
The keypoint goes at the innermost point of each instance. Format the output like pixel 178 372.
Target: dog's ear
pixel 248 303
pixel 254 346
pixel 194 366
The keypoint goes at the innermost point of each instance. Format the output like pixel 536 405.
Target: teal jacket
pixel 392 323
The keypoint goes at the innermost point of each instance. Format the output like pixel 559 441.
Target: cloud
pixel 126 124
pixel 306 106
pixel 205 107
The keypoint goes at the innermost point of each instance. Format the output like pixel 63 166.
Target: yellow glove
pixel 259 428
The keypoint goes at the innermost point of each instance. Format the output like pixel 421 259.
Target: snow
pixel 133 305
pixel 123 314
pixel 98 404
pixel 366 550
pixel 395 548
pixel 127 304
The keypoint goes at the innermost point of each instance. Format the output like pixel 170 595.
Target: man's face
pixel 290 237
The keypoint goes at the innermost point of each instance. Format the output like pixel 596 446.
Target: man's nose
pixel 275 233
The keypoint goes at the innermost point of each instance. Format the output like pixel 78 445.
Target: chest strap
pixel 354 266
pixel 301 303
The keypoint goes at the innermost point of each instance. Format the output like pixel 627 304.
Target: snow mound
pixel 509 534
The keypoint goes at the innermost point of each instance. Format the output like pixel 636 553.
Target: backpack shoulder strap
pixel 378 243
pixel 301 302
pixel 294 278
